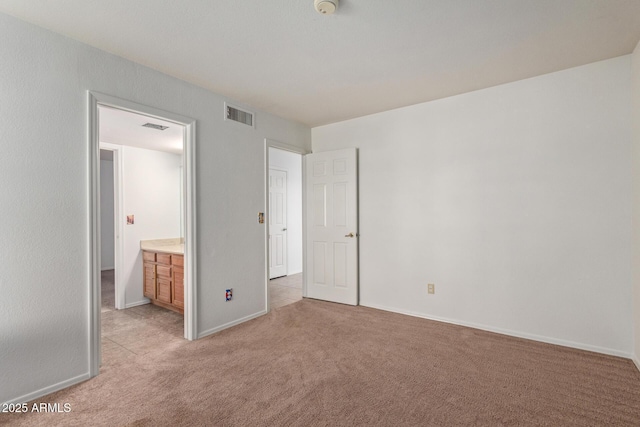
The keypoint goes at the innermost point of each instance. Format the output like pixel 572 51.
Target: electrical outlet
pixel 431 288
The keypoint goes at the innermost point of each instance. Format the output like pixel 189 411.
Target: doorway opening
pixel 285 225
pixel 151 202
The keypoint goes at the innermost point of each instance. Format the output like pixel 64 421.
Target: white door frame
pixel 190 315
pixel 118 229
pixel 270 143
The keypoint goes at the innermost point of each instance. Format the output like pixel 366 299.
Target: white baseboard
pixel 137 303
pixel 291 273
pixel 107 268
pixel 48 390
pixel 636 361
pixel 230 324
pixel 533 337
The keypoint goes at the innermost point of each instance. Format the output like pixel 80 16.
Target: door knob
pixel 284 229
pixel 350 235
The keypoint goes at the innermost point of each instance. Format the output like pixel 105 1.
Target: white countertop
pixel 169 246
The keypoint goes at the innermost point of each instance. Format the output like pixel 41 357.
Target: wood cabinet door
pixel 149 281
pixel 164 290
pixel 178 287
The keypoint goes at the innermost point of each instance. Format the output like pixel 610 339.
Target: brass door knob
pixel 350 235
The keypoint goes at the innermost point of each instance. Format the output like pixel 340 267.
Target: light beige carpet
pixel 317 363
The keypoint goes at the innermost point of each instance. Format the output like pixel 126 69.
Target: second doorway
pixel 285 227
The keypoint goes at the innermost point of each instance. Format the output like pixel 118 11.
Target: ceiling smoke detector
pixel 326 7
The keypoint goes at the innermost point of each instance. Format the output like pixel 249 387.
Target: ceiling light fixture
pixel 326 7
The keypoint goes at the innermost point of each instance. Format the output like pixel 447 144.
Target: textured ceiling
pixel 283 57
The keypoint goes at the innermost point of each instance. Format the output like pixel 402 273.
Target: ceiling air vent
pixel 238 115
pixel 155 126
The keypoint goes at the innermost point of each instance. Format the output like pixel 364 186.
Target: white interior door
pixel 332 226
pixel 277 223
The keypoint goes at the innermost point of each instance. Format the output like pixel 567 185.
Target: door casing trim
pixel 94 99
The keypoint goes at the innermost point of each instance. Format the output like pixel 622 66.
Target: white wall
pixel 514 200
pixel 107 235
pixel 636 202
pixel 44 309
pixel 151 192
pixel 292 163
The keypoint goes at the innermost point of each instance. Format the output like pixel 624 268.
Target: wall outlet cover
pixel 229 294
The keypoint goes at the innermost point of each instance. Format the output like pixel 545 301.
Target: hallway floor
pixel 285 290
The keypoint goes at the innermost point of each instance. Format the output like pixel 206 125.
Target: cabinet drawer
pixel 148 256
pixel 164 290
pixel 178 260
pixel 163 271
pixel 164 259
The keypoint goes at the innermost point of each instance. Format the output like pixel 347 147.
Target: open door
pixel 332 226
